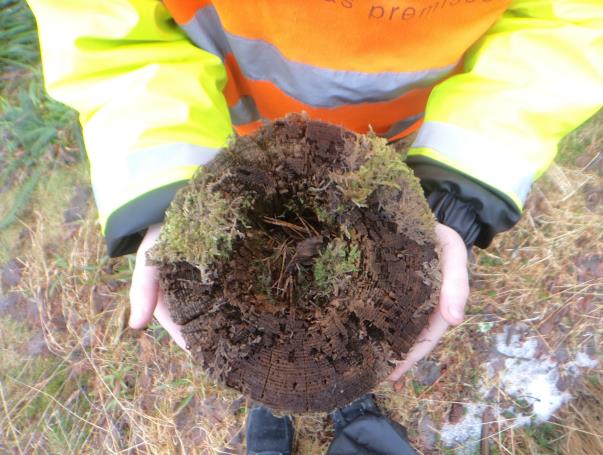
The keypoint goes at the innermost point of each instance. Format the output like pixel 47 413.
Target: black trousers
pixel 371 434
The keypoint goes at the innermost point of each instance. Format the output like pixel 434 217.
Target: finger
pixel 426 341
pixel 162 315
pixel 143 294
pixel 455 279
pixel 144 287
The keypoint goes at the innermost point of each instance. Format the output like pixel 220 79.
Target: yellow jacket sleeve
pixel 150 103
pixel 535 76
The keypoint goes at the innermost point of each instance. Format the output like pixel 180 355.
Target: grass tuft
pixel 33 127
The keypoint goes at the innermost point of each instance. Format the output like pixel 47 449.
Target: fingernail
pixel 456 313
pixel 133 324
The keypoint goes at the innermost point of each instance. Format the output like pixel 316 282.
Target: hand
pixel 146 297
pixel 451 306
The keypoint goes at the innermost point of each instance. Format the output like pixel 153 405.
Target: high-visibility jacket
pixel 492 85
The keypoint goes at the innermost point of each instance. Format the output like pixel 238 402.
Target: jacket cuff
pixel 455 214
pixel 127 226
pixel 473 210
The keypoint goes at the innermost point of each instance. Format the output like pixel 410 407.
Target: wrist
pixel 150 236
pixel 473 209
pixel 456 214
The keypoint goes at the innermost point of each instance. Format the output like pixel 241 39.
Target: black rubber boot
pixel 343 416
pixel 267 434
pixel 361 429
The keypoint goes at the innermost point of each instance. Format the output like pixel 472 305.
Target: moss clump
pixel 384 167
pixel 385 171
pixel 323 215
pixel 335 266
pixel 201 226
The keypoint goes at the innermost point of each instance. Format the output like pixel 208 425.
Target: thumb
pixel 145 287
pixel 455 279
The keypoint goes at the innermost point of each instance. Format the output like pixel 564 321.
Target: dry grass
pixel 74 379
pixel 543 273
pixel 102 388
pixel 582 420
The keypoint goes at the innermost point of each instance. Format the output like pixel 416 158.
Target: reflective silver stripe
pixel 400 126
pixel 151 161
pixel 205 30
pixel 481 157
pixel 245 111
pixel 317 87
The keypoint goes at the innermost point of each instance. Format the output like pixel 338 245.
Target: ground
pixel 521 375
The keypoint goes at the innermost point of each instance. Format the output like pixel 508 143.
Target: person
pixel 489 86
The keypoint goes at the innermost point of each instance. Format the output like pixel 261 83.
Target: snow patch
pixel 530 379
pixel 584 361
pixel 465 434
pixel 510 344
pixel 535 382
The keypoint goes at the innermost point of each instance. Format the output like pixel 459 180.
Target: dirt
pixel 9 303
pixel 589 267
pixel 79 204
pixel 329 272
pixel 457 411
pixel 427 434
pixel 427 372
pixel 11 274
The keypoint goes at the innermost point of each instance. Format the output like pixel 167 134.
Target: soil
pixel 328 273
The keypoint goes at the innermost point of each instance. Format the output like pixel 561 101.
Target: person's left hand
pixel 451 306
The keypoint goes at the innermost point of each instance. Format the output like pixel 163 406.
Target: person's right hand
pixel 146 297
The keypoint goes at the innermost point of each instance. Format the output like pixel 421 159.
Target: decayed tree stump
pixel 300 261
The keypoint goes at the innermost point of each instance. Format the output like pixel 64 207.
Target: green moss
pixel 400 192
pixel 384 167
pixel 201 225
pixel 489 261
pixel 544 435
pixel 323 215
pixel 264 280
pixel 335 264
pixel 417 387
